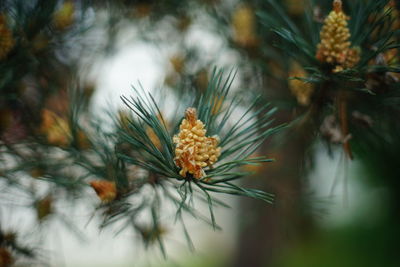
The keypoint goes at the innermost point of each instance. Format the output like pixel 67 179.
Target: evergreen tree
pixel 303 72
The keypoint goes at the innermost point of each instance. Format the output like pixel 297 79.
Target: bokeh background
pixel 329 210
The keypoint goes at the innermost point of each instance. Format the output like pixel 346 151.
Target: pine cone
pixel 194 150
pixel 334 47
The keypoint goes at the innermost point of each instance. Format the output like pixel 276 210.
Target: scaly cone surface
pixel 194 150
pixel 334 47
